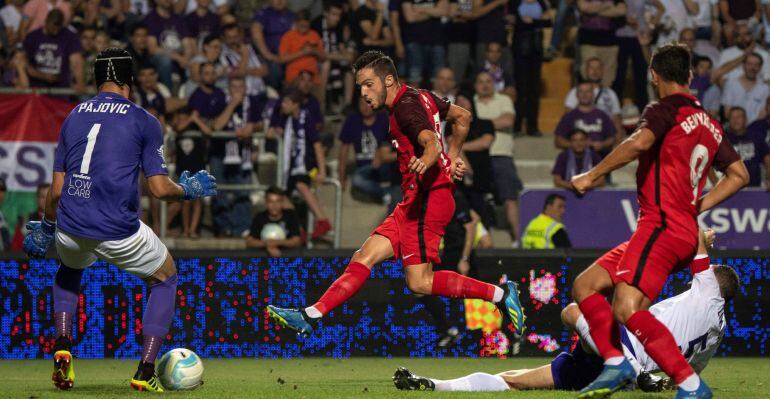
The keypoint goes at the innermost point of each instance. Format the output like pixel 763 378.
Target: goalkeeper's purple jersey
pixel 103 144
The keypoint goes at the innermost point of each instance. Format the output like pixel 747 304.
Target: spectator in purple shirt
pixel 202 22
pixel 54 55
pixel 576 159
pixel 304 85
pixel 750 145
pixel 586 117
pixel 169 37
pixel 270 24
pixel 364 131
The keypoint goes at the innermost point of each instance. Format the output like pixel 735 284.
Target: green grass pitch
pixel 336 378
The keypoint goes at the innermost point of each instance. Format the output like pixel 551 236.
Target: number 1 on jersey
pixel 86 164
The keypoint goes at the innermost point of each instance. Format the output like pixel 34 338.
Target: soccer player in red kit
pixel 414 230
pixel 676 143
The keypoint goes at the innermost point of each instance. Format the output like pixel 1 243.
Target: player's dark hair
pixel 136 27
pixel 377 60
pixel 755 55
pixel 114 65
pixel 275 190
pixel 551 198
pixel 577 131
pixel 672 63
pixel 729 282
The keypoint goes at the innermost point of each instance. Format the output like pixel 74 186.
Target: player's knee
pixel 581 289
pixel 420 285
pixel 622 311
pixel 570 314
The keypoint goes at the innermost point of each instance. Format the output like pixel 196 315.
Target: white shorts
pixel 141 255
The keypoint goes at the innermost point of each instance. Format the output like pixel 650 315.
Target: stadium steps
pixel 556 81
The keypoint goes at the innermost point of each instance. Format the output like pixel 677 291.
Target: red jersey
pixel 671 175
pixel 414 111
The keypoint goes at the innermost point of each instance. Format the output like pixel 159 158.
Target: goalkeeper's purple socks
pixel 66 292
pixel 157 317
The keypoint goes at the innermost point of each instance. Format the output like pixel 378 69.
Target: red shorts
pixel 647 259
pixel 416 225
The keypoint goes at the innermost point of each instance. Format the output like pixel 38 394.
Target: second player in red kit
pixel 413 231
pixel 676 143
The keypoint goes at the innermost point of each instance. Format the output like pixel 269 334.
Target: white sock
pixel 478 382
pixel 313 312
pixel 690 383
pixel 585 333
pixel 498 295
pixel 614 361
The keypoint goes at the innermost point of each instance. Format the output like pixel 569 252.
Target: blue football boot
pixel 612 379
pixel 296 319
pixel 703 392
pixel 510 307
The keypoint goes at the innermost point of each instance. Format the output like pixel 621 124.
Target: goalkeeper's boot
pixel 511 309
pixel 63 369
pixel 404 380
pixel 612 379
pixel 295 319
pixel 145 379
pixel 703 392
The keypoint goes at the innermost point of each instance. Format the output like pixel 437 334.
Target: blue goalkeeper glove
pixel 201 184
pixel 39 238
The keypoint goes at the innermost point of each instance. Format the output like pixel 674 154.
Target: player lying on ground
pixel 695 317
pixel 676 143
pixel 414 229
pixel 103 144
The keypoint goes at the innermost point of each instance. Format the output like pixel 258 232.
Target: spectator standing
pixel 201 22
pixel 15 21
pixel 336 78
pixel 365 131
pixel 747 91
pixel 493 64
pixel 576 159
pixel 190 155
pixel 169 40
pixel 674 19
pixel 240 59
pixel 702 87
pixel 301 49
pixel 596 34
pixel 737 12
pixel 498 108
pixel 461 35
pixel 489 16
pixel 731 59
pixel 423 37
pixel 750 145
pixel 705 19
pixel 370 29
pixel 147 94
pixel 269 26
pixel 139 48
pixel 89 52
pixel 37 11
pixel 274 217
pixel 546 230
pixel 588 118
pixel 531 17
pixel 630 49
pixel 605 98
pixel 54 55
pixel 303 154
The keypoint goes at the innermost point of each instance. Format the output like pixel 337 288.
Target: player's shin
pixel 454 285
pixel 341 290
pixel 603 327
pixel 66 291
pixel 157 317
pixel 661 346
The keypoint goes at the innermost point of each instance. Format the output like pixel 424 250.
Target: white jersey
pixel 696 319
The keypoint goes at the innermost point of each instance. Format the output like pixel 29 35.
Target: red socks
pixel 602 324
pixel 660 345
pixel 343 288
pixel 455 285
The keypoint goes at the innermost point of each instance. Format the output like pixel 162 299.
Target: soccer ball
pixel 272 231
pixel 180 369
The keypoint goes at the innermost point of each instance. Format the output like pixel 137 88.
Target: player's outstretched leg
pixel 155 324
pixel 404 380
pixel 66 291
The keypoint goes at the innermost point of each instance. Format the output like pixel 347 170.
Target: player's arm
pixel 629 150
pixel 52 199
pixel 736 177
pixel 163 188
pixel 460 118
pixel 431 146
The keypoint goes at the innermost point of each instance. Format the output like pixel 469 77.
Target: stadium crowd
pixel 283 67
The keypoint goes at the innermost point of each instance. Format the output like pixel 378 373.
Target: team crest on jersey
pixel 162 155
